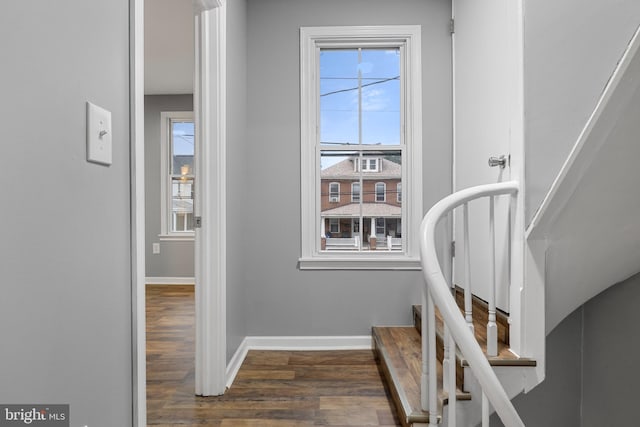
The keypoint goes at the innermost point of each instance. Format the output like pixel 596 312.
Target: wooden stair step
pixel 505 356
pixel 399 353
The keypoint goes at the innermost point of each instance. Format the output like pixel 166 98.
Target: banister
pixel 440 292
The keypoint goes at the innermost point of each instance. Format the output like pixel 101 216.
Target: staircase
pixel 398 351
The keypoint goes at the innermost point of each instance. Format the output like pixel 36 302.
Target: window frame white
pixel 166 188
pixel 408 39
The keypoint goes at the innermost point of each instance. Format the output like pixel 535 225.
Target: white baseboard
pixel 359 342
pixel 169 280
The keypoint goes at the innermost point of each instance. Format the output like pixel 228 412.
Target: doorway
pixel 210 240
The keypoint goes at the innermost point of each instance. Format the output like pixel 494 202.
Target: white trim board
pixel 294 343
pixel 169 281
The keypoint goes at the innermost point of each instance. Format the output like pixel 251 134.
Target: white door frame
pixel 210 247
pixel 209 104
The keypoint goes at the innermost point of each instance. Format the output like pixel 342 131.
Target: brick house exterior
pixel 377 204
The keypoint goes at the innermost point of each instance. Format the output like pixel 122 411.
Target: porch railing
pixel 459 328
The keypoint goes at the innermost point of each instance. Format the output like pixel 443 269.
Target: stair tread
pixel 399 350
pixel 505 356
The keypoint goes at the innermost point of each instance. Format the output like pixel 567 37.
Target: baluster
pixel 451 373
pixel 486 410
pixel 433 375
pixel 468 313
pixel 492 327
pixel 445 359
pixel 424 380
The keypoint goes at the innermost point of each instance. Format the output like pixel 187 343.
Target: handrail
pixel 440 292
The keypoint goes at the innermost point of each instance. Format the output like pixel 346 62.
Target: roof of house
pixel 375 210
pixel 345 170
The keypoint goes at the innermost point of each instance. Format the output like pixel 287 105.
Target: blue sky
pixel 380 88
pixel 380 99
pixel 183 138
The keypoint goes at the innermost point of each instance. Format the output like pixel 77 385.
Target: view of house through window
pixel 360 148
pixel 182 156
pixel 177 190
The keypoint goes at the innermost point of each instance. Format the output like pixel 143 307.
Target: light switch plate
pixel 98 135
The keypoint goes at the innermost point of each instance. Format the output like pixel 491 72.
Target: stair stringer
pixel 587 225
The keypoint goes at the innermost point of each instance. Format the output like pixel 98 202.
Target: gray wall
pixel 237 172
pixel 611 348
pixel 65 308
pixel 557 400
pixel 571 49
pixel 592 372
pixel 176 258
pixel 264 216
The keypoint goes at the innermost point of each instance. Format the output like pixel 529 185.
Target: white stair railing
pixel 459 328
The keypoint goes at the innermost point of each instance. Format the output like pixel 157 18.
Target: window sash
pixel 178 179
pixel 407 38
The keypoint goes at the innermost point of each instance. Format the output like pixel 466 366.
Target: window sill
pixel 343 262
pixel 177 237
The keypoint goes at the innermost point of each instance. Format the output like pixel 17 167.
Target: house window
pixel 334 192
pixel 380 227
pixel 334 225
pixel 361 123
pixel 369 165
pixel 355 192
pixel 399 192
pixel 381 189
pixel 178 179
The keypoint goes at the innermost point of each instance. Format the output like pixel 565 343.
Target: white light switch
pixel 156 248
pixel 98 134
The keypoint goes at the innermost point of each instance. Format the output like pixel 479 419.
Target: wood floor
pixel 273 388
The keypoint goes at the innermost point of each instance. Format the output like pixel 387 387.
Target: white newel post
pixel 323 230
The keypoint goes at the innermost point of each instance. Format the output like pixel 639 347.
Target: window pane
pixel 380 96
pixel 360 96
pixel 182 204
pixel 355 192
pixel 182 147
pixel 338 98
pixel 380 190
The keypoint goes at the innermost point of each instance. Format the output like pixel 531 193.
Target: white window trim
pixel 311 38
pixel 165 184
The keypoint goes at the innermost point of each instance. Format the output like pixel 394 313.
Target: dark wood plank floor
pixel 273 388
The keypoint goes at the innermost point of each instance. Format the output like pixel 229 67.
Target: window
pixel 178 179
pixel 361 124
pixel 334 192
pixel 381 189
pixel 399 192
pixel 355 192
pixel 334 225
pixel 368 165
